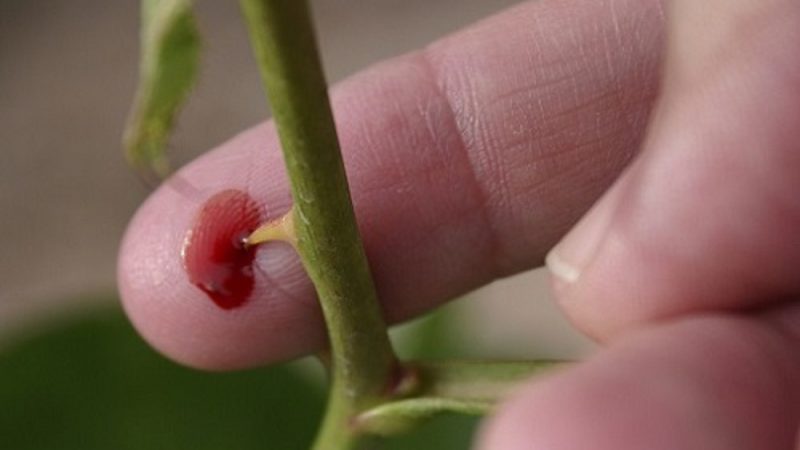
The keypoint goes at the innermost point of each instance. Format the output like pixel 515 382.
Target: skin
pixel 471 158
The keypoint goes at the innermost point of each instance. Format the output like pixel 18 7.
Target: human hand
pixel 469 159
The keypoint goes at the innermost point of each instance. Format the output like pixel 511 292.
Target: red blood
pixel 214 255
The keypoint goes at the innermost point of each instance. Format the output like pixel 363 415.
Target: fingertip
pixel 573 264
pixel 179 319
pixel 704 222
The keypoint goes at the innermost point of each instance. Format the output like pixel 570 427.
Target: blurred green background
pixel 73 373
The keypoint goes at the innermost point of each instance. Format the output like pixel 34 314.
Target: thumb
pixel 708 217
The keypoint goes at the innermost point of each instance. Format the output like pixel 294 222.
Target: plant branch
pixel 463 387
pixel 327 236
pixel 401 416
pixel 476 380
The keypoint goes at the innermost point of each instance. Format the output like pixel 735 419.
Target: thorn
pixel 281 229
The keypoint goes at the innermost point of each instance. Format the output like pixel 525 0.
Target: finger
pixel 709 383
pixel 465 160
pixel 707 217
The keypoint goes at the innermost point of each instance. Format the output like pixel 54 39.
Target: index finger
pixel 467 160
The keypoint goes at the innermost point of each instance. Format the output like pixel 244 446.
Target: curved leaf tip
pixel 169 57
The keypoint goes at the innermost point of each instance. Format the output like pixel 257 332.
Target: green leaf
pixel 448 431
pixel 92 383
pixel 170 50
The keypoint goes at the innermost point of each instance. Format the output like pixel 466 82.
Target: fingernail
pixel 568 260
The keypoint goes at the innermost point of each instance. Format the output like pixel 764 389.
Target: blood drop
pixel 214 254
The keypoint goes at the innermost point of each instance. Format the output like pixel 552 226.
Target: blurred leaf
pixel 94 384
pixel 170 49
pixel 451 432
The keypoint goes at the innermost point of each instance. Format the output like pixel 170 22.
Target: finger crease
pixel 496 250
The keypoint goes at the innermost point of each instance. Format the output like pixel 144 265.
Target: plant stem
pixel 477 380
pixel 401 416
pixel 327 236
pixel 438 387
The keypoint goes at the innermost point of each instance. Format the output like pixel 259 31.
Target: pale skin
pixel 470 159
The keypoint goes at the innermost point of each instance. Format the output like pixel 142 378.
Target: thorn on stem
pixel 281 229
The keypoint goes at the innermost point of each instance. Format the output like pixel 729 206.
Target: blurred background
pixel 72 372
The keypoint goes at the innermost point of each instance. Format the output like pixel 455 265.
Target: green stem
pixel 463 387
pixel 328 242
pixel 476 380
pixel 402 416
